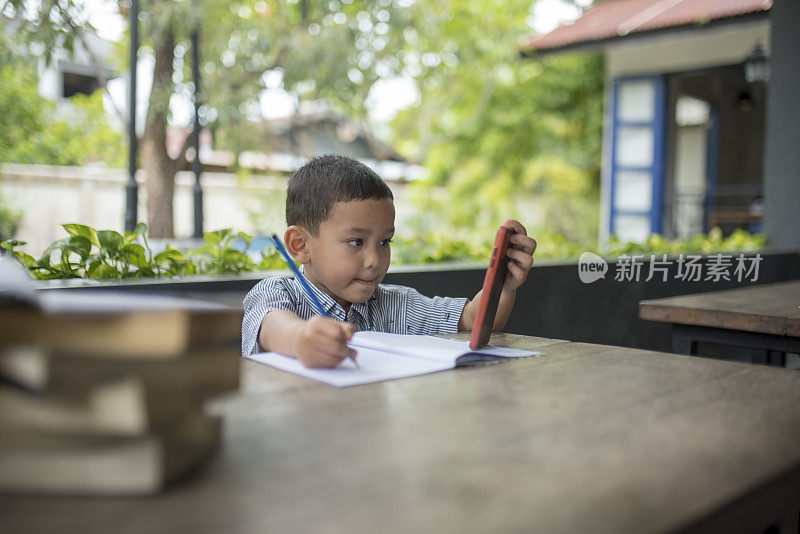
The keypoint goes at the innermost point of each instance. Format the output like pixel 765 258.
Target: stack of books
pixel 104 392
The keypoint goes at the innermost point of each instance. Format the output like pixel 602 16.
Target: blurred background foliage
pixel 432 247
pixel 506 137
pixel 499 136
pixel 36 130
pixel 532 154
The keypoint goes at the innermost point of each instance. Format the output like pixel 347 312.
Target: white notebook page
pixel 383 356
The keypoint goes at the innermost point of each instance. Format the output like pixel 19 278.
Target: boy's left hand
pixel 520 255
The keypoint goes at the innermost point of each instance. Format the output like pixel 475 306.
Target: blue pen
pixel 300 278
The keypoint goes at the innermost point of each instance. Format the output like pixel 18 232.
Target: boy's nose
pixel 370 259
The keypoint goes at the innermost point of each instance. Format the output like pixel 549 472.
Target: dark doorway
pixel 715 152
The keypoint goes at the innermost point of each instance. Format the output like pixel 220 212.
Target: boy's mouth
pixel 370 282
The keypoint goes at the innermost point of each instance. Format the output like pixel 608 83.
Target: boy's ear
pixel 296 240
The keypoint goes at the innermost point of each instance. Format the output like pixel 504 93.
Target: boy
pixel 341 221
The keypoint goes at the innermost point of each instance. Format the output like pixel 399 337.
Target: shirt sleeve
pixel 432 316
pixel 268 295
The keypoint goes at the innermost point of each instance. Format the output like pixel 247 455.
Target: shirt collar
pixel 361 308
pixel 330 305
pixel 326 300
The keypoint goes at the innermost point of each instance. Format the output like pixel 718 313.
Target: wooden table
pixel 588 438
pixel 765 318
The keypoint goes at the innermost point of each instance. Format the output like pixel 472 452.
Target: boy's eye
pixel 386 242
pixel 355 242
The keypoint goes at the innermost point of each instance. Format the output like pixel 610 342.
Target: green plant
pixel 435 248
pixel 219 256
pixel 739 240
pixel 104 254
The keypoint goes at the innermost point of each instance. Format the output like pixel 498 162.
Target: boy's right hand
pixel 322 342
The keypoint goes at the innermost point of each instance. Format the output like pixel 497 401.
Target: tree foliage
pixel 332 51
pixel 329 53
pixel 34 130
pixel 506 137
pixel 502 135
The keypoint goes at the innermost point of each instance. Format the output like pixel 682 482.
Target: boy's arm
pixel 520 259
pixel 504 307
pixel 318 342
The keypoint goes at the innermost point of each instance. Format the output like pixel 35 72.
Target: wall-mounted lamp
pixel 744 102
pixel 756 65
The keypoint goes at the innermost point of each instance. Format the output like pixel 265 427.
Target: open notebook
pixel 383 356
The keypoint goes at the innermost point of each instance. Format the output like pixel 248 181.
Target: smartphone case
pixel 492 286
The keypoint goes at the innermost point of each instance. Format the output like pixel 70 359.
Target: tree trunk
pixel 159 167
pixel 160 186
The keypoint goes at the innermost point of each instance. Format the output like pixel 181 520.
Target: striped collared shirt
pixel 394 309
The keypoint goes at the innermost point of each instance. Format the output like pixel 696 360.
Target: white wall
pixel 51 196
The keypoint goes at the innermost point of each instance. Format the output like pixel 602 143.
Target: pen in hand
pixel 301 279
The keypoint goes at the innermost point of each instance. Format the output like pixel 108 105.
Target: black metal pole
pixel 132 188
pixel 198 190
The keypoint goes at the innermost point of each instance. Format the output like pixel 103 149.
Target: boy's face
pixel 351 254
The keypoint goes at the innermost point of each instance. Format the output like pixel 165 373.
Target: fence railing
pixel 729 208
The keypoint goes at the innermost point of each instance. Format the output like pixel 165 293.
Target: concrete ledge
pixel 552 303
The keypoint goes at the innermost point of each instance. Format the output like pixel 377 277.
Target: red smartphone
pixel 492 286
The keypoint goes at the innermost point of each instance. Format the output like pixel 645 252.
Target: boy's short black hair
pixel 319 184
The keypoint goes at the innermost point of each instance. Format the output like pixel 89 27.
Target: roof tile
pixel 618 18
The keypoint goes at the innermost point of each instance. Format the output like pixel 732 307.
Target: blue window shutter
pixel 637 156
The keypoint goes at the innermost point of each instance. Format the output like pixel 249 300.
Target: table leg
pixel 764 349
pixel 682 342
pixel 777 358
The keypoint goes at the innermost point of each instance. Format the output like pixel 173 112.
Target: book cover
pixel 81 465
pixel 120 324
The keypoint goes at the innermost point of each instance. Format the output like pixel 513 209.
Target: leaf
pixel 44 261
pixel 129 238
pixel 171 255
pixel 215 238
pixel 231 255
pixel 82 230
pixel 10 244
pixel 102 271
pixel 110 240
pixel 140 229
pixel 144 272
pixel 247 238
pixel 80 245
pixel 138 257
pixel 91 269
pixel 25 259
pixel 66 265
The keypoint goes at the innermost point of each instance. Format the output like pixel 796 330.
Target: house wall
pixel 668 53
pixel 673 52
pixel 51 83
